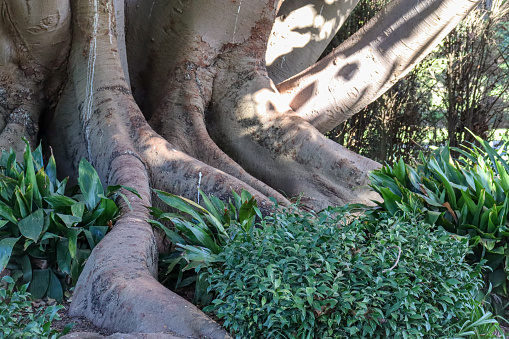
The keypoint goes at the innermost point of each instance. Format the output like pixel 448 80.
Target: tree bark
pixel 301 32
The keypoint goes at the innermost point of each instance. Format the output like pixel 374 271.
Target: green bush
pixel 46 236
pixel 18 319
pixel 199 235
pixel 468 197
pixel 338 275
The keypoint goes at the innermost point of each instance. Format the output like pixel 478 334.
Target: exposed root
pixel 118 289
pixel 180 120
pixel 256 129
pixel 174 171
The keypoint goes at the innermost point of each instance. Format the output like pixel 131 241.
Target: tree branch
pixel 372 60
pixel 301 32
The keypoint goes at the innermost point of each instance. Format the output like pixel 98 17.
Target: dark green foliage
pixel 200 234
pixel 19 319
pixel 338 275
pixel 46 236
pixel 469 197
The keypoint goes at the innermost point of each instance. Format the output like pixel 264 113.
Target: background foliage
pixel 462 84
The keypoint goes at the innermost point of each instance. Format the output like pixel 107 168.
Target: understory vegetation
pixel 346 272
pixel 47 232
pixel 19 319
pixel 468 197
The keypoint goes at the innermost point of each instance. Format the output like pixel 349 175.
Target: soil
pixel 81 324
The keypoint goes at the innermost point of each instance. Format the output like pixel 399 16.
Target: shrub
pixel 200 234
pixel 46 236
pixel 335 275
pixel 18 319
pixel 468 197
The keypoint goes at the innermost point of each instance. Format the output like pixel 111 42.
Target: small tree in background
pixel 473 82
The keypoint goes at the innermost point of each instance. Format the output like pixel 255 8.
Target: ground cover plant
pixel 19 319
pixel 468 196
pixel 45 235
pixel 330 275
pixel 200 235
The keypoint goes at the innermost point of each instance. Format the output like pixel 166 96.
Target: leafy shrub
pixel 336 275
pixel 18 319
pixel 46 236
pixel 200 234
pixel 468 197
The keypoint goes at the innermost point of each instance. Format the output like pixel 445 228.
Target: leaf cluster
pixel 45 235
pixel 19 319
pixel 468 197
pixel 338 275
pixel 200 233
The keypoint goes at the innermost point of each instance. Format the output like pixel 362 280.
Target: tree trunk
pixel 179 98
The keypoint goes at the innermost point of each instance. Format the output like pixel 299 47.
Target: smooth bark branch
pixel 372 60
pixel 302 30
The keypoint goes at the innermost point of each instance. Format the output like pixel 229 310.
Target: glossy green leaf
pixel 173 236
pixel 110 210
pixel 59 201
pixel 72 236
pixel 30 175
pixel 90 184
pixel 98 233
pixel 26 267
pixel 40 283
pixel 38 158
pixel 55 288
pixel 51 170
pixel 111 190
pixel 63 256
pixel 497 278
pixel 6 213
pixel 69 220
pixel 44 183
pixel 6 246
pixel 31 227
pixel 78 209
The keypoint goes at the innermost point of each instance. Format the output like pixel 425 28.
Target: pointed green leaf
pixel 31 227
pixel 6 246
pixel 72 236
pixel 26 267
pixel 63 256
pixel 40 283
pixel 59 201
pixel 98 233
pixel 77 209
pixel 20 205
pixel 55 288
pixel 38 158
pixel 51 170
pixel 69 220
pixel 173 236
pixel 90 184
pixel 30 175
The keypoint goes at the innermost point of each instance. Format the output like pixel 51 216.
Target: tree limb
pixel 372 60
